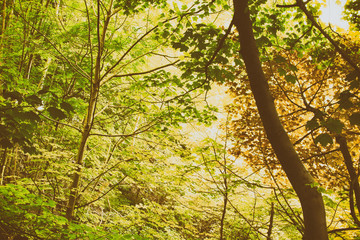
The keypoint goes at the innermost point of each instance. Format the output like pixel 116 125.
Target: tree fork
pixel 300 179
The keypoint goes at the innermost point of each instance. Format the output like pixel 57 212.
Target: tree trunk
pixel 14 163
pixel 354 181
pixel 225 199
pixel 5 12
pixel 3 165
pixel 88 122
pixel 301 180
pixel 90 115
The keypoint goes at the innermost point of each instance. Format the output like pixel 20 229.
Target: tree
pixel 302 182
pixel 82 76
pixel 104 104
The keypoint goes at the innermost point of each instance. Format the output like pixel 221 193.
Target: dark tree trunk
pixel 301 180
pixel 354 182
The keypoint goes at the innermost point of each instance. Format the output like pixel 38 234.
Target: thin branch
pixel 220 44
pixel 303 35
pixel 89 40
pixel 290 5
pixel 138 131
pixel 65 124
pixel 99 176
pixel 272 213
pixel 333 217
pixel 343 229
pixel 73 65
pixel 320 154
pixel 145 72
pixel 246 220
pixel 302 5
pixel 132 46
pixel 298 222
pixel 102 195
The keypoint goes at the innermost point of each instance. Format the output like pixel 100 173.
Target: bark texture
pixel 301 180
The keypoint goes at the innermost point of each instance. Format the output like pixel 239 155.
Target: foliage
pixel 29 215
pixel 112 92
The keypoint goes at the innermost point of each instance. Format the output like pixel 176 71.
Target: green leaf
pixel 202 46
pixel 222 59
pixel 355 118
pixel 333 125
pixel 290 78
pixel 66 106
pixel 263 41
pixel 32 116
pixel 52 203
pixel 5 143
pixel 345 100
pixel 324 139
pixel 56 113
pixel 312 124
pixel 279 59
pixel 182 47
pixel 44 90
pixel 329 202
pixel 4 132
pixel 281 71
pixel 197 54
pixel 238 62
pixel 61 220
pixel 176 45
pixel 293 67
pixel 33 100
pixel 15 95
pixel 352 76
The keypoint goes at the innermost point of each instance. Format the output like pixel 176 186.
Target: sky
pixel 331 13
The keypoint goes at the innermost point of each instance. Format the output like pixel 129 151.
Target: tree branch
pixel 145 72
pixel 102 195
pixel 302 5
